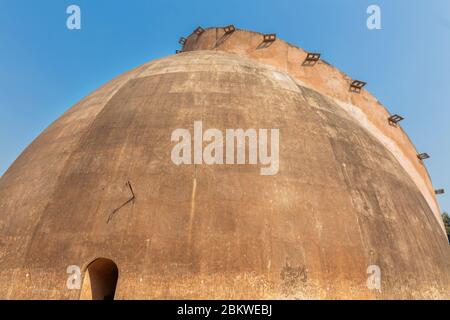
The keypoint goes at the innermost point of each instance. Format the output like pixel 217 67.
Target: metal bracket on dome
pixel 133 197
pixel 439 191
pixel 311 59
pixel 268 40
pixel 271 37
pixel 229 29
pixel 395 119
pixel 423 156
pixel 199 31
pixel 357 85
pixel 182 41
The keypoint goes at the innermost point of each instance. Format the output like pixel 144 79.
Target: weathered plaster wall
pixel 331 82
pixel 340 203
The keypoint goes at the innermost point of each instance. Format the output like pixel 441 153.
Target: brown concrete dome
pixel 350 191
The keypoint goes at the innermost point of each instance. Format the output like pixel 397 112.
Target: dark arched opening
pixel 103 274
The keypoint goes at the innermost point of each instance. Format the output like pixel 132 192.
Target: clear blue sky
pixel 45 68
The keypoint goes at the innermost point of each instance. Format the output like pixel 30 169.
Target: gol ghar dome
pixel 96 207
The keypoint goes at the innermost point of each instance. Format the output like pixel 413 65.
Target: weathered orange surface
pixel 344 198
pixel 325 79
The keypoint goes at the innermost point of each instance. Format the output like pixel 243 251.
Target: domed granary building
pixel 348 213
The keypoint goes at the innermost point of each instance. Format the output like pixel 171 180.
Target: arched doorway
pixel 100 280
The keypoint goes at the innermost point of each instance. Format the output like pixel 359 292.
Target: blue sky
pixel 46 68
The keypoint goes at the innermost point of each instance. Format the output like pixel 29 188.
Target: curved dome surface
pixel 340 203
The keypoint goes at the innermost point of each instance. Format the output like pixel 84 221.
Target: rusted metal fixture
pixel 271 37
pixel 357 85
pixel 199 31
pixel 311 59
pixel 395 119
pixel 423 156
pixel 131 199
pixel 229 29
